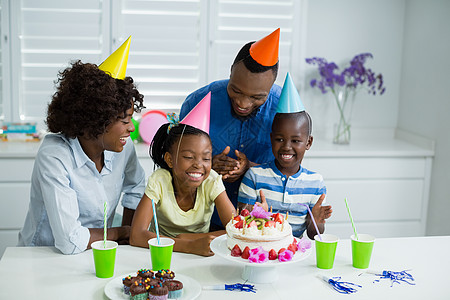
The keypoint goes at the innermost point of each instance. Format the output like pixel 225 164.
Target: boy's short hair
pixel 298 115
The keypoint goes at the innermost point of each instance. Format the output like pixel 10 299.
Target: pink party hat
pixel 198 117
pixel 290 101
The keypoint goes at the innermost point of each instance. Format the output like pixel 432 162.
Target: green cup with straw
pixel 326 245
pixel 161 249
pixel 362 245
pixel 104 252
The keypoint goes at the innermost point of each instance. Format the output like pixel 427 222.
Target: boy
pixel 284 182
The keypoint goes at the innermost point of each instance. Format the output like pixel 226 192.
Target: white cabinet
pixel 386 182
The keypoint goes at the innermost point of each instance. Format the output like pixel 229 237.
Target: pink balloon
pixel 150 123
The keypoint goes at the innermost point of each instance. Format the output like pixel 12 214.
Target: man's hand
pixel 242 167
pixel 223 164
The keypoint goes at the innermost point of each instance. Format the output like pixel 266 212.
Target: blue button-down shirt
pixel 68 193
pixel 248 135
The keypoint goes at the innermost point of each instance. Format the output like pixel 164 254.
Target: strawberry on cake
pixel 268 233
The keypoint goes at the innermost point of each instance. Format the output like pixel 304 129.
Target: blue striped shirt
pixel 283 193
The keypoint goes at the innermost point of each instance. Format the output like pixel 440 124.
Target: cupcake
pixel 138 291
pixel 165 274
pixel 127 282
pixel 158 292
pixel 145 273
pixel 152 281
pixel 175 288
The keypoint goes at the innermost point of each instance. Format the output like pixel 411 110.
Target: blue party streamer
pixel 240 287
pixel 396 277
pixel 341 286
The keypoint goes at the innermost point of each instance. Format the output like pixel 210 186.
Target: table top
pixel 44 273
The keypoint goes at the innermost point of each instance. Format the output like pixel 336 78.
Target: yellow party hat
pixel 116 64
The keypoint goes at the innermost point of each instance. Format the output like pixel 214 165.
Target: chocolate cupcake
pixel 153 281
pixel 138 291
pixel 145 273
pixel 165 274
pixel 127 282
pixel 175 288
pixel 158 292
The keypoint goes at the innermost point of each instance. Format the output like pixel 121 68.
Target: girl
pixel 184 190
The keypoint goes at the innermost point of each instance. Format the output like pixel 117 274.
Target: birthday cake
pixel 260 230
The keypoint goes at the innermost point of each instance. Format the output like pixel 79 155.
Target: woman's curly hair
pixel 87 100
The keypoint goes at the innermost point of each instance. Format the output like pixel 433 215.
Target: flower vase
pixel 342 129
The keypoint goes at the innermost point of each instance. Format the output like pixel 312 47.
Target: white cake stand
pixel 254 272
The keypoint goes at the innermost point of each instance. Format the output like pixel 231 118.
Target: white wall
pixel 410 41
pixel 425 96
pixel 339 30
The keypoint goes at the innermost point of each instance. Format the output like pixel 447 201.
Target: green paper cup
pixel 161 254
pixel 362 250
pixel 326 250
pixel 104 258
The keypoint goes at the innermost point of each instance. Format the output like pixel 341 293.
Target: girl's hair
pixel 164 140
pixel 251 64
pixel 87 100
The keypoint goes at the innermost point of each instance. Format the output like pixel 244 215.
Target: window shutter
pixel 235 23
pixel 49 35
pixel 166 54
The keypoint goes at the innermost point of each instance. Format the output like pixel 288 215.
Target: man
pixel 242 110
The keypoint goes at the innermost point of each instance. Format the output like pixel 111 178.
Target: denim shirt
pixel 68 193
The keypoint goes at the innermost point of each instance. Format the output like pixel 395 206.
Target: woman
pixel 88 160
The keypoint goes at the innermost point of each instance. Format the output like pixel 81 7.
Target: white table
pixel 44 273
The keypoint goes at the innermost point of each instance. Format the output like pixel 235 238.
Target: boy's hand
pixel 263 203
pixel 321 213
pixel 223 164
pixel 242 167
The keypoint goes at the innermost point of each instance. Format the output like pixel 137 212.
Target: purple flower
pixel 352 77
pixel 286 255
pixel 258 255
pixel 303 245
pixel 259 212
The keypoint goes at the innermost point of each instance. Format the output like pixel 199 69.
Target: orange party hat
pixel 199 116
pixel 116 64
pixel 265 51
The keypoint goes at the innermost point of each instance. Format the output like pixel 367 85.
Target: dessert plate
pixel 219 247
pixel 254 272
pixel 191 287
